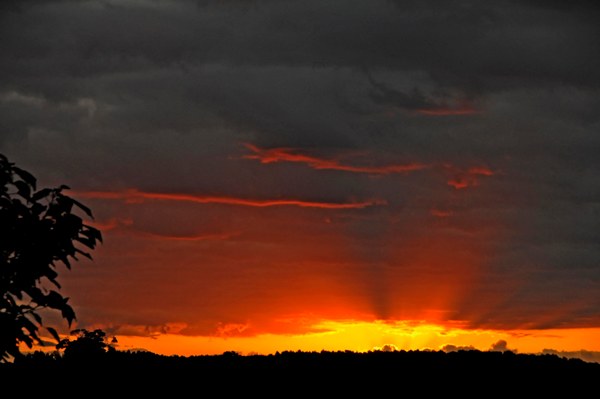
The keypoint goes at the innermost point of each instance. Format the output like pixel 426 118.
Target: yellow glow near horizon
pixel 355 336
pixel 365 336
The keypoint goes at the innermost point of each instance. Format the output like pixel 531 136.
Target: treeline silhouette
pixel 306 374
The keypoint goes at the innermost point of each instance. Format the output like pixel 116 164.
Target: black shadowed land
pixel 471 373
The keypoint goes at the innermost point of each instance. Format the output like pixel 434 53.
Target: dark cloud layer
pixel 164 96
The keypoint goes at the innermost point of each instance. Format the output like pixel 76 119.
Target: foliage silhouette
pixel 39 230
pixel 87 346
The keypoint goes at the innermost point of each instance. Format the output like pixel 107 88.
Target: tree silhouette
pixel 88 345
pixel 39 230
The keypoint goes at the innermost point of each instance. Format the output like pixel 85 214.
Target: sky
pixel 319 174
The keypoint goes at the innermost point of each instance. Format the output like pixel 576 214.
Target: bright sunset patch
pixel 368 336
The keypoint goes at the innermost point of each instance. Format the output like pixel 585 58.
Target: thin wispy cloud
pixel 459 178
pixel 134 196
pixel 274 155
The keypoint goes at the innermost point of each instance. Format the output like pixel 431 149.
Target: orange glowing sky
pixel 348 175
pixel 258 275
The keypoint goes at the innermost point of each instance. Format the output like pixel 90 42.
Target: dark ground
pixel 302 374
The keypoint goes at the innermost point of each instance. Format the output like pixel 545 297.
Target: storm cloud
pixel 496 103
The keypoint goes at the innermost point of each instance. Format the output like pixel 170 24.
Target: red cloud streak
pixel 464 179
pixel 460 178
pixel 282 154
pixel 133 196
